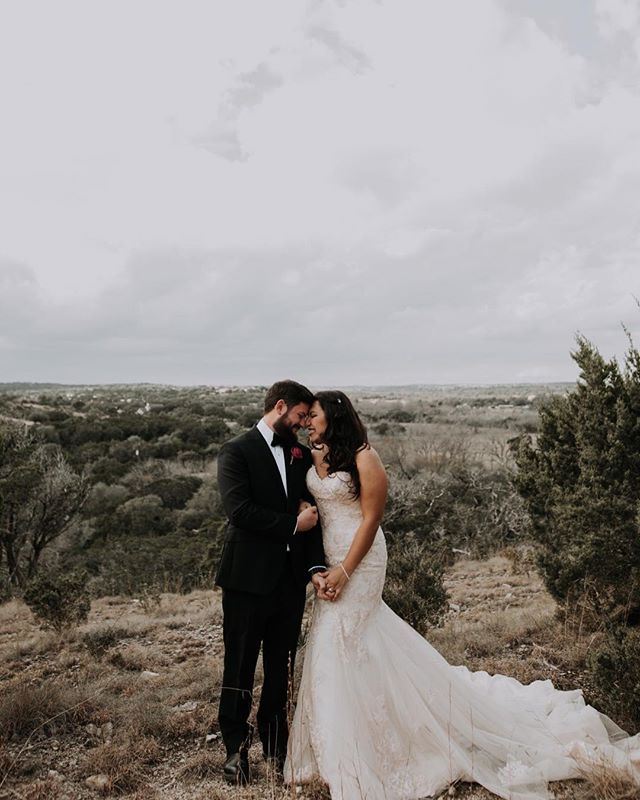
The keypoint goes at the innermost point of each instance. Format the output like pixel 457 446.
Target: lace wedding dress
pixel 381 715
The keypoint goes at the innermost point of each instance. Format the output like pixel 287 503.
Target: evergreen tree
pixel 581 482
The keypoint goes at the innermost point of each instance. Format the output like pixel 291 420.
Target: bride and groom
pixel 380 714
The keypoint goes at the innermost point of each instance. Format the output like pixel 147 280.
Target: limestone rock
pixel 98 782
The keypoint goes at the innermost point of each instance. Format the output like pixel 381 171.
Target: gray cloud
pixel 251 87
pixel 348 56
pixel 20 298
pixel 446 204
pixel 248 317
pixel 221 138
pixel 388 175
pixel 249 90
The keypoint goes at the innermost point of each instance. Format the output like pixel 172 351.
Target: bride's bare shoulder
pixel 368 459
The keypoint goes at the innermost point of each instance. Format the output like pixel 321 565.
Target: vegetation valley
pixel 503 501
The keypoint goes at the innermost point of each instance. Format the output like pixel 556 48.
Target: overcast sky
pixel 341 191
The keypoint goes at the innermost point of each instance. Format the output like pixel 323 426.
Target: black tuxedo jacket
pixel 262 517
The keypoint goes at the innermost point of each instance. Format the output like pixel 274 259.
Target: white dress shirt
pixel 278 454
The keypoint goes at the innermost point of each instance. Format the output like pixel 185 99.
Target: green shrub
pixel 400 415
pixel 5 589
pixel 614 671
pixel 141 516
pixel 58 600
pixel 104 499
pixel 175 492
pixel 581 483
pixel 108 470
pixel 39 497
pixel 176 562
pixel 414 586
pixel 473 510
pixel 99 640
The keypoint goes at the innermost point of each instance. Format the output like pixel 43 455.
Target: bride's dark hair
pixel 345 435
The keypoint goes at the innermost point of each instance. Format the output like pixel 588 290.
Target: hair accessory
pixel 339 400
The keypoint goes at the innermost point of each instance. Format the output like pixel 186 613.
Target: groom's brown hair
pixel 290 391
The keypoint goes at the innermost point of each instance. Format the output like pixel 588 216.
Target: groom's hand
pixel 320 585
pixel 307 519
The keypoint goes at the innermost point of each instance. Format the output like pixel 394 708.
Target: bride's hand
pixel 335 579
pixel 303 505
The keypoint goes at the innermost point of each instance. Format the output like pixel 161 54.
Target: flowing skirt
pixel 381 715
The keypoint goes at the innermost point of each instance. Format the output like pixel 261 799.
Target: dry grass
pixel 38 644
pixel 607 784
pixel 6 761
pixel 51 707
pixel 125 765
pixel 204 764
pixel 100 638
pixel 134 657
pixel 41 790
pixel 13 616
pixel 502 620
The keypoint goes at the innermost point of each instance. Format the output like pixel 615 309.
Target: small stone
pixel 147 674
pixel 55 775
pixel 98 782
pixel 454 607
pixel 190 705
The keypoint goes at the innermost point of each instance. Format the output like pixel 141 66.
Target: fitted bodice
pixel 340 516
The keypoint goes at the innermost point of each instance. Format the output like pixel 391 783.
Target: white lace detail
pixel 382 716
pixel 514 772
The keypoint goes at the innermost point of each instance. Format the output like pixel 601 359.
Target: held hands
pixel 307 518
pixel 320 585
pixel 335 579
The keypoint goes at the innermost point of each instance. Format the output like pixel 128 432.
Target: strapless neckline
pixel 313 468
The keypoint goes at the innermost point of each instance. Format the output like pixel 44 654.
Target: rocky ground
pixel 126 704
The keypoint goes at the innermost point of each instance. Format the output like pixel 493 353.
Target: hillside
pixel 130 697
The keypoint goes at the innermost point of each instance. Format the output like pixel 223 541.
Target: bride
pixel 381 715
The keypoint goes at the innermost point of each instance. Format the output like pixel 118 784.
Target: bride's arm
pixel 373 495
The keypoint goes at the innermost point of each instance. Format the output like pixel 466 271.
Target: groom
pixel 270 553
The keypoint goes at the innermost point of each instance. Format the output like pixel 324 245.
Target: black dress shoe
pixel 236 769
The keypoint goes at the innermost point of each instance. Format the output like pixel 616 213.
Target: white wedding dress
pixel 381 715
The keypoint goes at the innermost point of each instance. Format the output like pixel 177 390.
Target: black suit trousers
pixel 272 621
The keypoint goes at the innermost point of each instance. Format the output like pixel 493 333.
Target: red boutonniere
pixel 296 453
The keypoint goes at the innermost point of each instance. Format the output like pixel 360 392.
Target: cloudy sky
pixel 342 191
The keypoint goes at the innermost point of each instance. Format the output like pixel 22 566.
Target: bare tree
pixel 39 496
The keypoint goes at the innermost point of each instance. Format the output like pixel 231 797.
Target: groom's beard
pixel 283 430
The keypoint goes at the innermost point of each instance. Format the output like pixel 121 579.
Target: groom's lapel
pixel 261 450
pixel 296 471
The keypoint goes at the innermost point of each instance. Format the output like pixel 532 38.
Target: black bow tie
pixel 278 441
